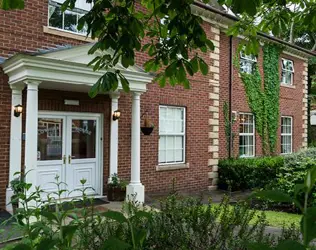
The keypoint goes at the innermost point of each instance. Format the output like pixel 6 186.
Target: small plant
pixel 148 126
pixel 308 221
pixel 17 186
pixel 116 189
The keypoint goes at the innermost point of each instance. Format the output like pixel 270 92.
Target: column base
pixel 135 192
pixel 9 194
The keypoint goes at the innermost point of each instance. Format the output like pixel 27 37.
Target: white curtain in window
pixel 51 10
pixel 80 4
pixel 83 5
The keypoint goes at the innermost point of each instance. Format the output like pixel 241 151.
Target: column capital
pixel 31 83
pixel 17 88
pixel 114 95
pixel 136 95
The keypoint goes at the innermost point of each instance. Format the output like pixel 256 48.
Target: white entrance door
pixel 69 146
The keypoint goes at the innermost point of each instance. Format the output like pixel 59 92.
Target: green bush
pixel 294 170
pixel 248 173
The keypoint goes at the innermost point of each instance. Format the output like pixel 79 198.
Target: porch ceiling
pixel 66 70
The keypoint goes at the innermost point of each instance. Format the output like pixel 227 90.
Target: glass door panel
pixel 83 139
pixel 50 139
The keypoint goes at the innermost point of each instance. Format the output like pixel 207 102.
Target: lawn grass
pixel 278 219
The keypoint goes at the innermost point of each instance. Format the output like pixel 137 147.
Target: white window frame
pixel 174 134
pixel 76 10
pixel 253 134
pixel 287 134
pixel 288 71
pixel 249 59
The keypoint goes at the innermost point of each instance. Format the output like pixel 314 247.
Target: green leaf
pixel 181 74
pixel 124 82
pixel 51 216
pixel 68 232
pixel 290 245
pixel 22 246
pixel 188 67
pixel 12 4
pixel 113 243
pixel 258 246
pixel 170 70
pixel 203 66
pixel 95 89
pixel 46 244
pixel 310 179
pixel 195 64
pixel 309 229
pixel 274 195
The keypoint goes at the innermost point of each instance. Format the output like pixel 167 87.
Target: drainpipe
pixel 230 92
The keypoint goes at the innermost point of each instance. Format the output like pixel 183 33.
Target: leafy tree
pixel 172 36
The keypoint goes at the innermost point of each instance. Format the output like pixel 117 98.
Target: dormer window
pixel 67 21
pixel 247 63
pixel 287 72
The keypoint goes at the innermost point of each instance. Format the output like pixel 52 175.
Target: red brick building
pixel 44 70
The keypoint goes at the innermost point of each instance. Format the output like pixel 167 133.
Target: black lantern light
pixel 18 110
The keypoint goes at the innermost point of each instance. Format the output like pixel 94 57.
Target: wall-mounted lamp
pixel 116 115
pixel 18 110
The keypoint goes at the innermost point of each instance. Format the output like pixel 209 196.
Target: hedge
pixel 248 173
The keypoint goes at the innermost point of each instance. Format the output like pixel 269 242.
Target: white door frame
pixel 100 135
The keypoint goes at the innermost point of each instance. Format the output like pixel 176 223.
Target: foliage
pixel 308 229
pixel 271 55
pixel 173 34
pixel 248 173
pixel 264 101
pixel 17 184
pixel 117 182
pixel 180 223
pixel 229 134
pixel 271 17
pixel 293 172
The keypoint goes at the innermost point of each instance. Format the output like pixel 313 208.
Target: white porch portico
pixel 66 70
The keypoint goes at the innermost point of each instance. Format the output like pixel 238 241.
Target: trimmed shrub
pixel 248 173
pixel 294 170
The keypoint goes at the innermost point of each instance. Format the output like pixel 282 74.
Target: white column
pixel 135 190
pixel 31 132
pixel 114 137
pixel 15 141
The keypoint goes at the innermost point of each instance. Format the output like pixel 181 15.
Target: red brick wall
pixel 290 100
pixel 22 30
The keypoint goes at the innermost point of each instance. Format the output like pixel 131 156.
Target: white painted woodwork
pixel 31 132
pixel 135 190
pixel 71 171
pixel 15 142
pixel 114 136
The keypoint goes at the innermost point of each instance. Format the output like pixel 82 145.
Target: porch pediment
pixel 66 69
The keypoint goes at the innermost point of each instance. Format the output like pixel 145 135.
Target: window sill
pixel 58 32
pixel 287 86
pixel 168 167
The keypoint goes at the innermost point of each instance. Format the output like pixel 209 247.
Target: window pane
pixel 55 17
pixel 49 137
pixel 171 132
pixel 83 140
pixel 162 143
pixel 246 135
pixel 162 156
pixel 70 21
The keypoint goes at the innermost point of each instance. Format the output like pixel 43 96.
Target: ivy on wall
pixel 264 100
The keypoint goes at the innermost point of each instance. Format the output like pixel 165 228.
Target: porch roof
pixel 67 69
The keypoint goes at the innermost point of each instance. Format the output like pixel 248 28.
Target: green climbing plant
pixel 263 99
pixel 271 54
